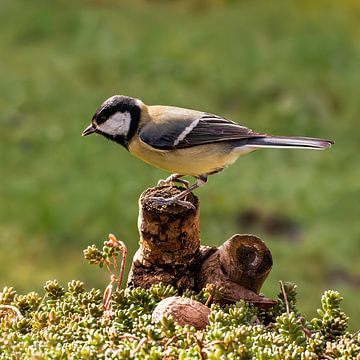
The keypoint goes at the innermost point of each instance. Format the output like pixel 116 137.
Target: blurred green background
pixel 282 67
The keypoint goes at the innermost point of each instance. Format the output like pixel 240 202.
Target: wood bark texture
pixel 169 241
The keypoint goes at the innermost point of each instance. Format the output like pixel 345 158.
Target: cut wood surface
pixel 243 259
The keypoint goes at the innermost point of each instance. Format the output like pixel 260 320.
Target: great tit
pixel 183 141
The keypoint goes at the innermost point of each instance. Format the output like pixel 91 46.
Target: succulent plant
pixel 71 322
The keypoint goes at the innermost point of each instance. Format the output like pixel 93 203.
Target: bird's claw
pixel 166 182
pixel 163 182
pixel 170 201
pixel 184 182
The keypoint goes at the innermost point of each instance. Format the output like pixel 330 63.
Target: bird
pixel 182 141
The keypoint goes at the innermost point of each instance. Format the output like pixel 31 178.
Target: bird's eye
pixel 102 119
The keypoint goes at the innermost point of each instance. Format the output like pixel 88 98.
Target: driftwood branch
pixel 170 253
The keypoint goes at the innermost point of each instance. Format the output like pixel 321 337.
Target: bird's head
pixel 117 119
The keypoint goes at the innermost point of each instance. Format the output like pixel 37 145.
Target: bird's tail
pixel 288 142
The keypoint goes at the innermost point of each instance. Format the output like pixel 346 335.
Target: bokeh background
pixel 282 67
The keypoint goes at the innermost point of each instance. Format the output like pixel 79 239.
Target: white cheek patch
pixel 117 124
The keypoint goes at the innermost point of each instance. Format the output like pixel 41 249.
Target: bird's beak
pixel 89 130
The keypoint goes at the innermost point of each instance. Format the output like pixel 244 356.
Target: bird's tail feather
pixel 288 142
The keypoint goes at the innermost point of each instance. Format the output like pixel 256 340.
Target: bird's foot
pixel 164 182
pixel 173 200
pixel 172 180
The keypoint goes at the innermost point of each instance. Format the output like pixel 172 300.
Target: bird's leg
pixel 173 178
pixel 178 199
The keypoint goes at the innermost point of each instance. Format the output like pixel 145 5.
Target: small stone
pixel 184 311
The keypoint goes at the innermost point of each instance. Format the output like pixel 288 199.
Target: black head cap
pixel 111 106
pixel 114 104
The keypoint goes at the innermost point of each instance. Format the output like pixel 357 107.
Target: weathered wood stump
pixel 170 253
pixel 168 235
pixel 169 241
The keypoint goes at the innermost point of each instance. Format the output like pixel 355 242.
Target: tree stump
pixel 169 241
pixel 170 253
pixel 168 235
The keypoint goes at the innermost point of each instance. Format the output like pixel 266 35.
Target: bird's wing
pixel 183 132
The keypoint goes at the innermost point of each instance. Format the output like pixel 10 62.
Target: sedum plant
pixel 70 323
pixel 75 323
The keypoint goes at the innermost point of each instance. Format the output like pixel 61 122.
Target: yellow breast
pixel 197 160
